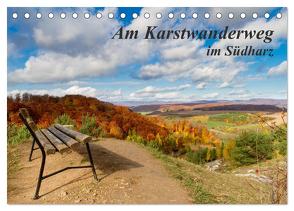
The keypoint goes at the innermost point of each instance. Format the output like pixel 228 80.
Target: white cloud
pixel 104 83
pixel 197 68
pixel 76 90
pixel 167 96
pixel 224 85
pixel 201 85
pixel 55 67
pixel 257 77
pixel 76 83
pixel 165 69
pixel 11 49
pixel 73 90
pixel 239 94
pixel 80 48
pixel 156 92
pixel 173 96
pixel 187 59
pixel 280 69
pixel 211 95
pixel 180 49
pixel 74 36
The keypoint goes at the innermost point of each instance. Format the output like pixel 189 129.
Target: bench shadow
pixel 106 163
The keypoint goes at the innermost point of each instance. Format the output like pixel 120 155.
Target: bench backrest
pixel 27 120
pixel 37 135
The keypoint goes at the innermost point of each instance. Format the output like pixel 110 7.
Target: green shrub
pixel 251 146
pixel 64 119
pixel 134 137
pixel 154 144
pixel 211 154
pixel 197 157
pixel 280 137
pixel 169 144
pixel 282 147
pixel 166 144
pixel 17 134
pixel 90 127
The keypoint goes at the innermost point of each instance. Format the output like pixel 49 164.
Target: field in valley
pixel 227 124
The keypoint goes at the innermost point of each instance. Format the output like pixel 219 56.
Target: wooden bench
pixel 56 138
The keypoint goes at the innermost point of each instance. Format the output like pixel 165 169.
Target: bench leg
pixel 32 149
pixel 91 161
pixel 40 178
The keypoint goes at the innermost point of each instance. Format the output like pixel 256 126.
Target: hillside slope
pixel 209 187
pixel 45 109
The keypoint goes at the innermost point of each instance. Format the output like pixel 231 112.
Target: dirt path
pixel 128 173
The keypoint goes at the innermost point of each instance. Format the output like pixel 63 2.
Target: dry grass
pixel 208 187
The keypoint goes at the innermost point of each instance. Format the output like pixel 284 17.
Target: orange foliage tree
pixel 115 120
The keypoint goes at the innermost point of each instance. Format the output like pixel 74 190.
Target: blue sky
pixel 77 56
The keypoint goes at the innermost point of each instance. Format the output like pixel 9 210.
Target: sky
pixel 77 56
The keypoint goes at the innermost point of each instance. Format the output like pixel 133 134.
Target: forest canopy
pixel 44 109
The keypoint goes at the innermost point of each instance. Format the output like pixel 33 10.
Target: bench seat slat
pixel 64 138
pixel 83 138
pixel 49 149
pixel 60 146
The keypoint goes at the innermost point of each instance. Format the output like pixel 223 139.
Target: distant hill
pixel 243 107
pixel 45 109
pixel 260 101
pixel 133 104
pixel 272 105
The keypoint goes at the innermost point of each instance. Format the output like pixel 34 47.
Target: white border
pixel 137 3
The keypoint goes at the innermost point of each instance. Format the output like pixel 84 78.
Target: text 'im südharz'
pixel 154 32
